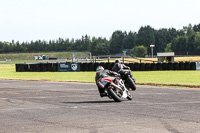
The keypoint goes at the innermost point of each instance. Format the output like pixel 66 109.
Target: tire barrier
pixel 148 67
pixel 53 67
pixel 176 66
pixel 170 66
pixel 187 66
pixel 136 67
pixel 102 64
pixel 181 66
pixel 131 65
pixel 159 66
pixel 142 66
pixel 85 67
pixel 153 67
pixel 96 65
pixel 165 66
pixel 193 66
pixel 108 66
pixel 91 67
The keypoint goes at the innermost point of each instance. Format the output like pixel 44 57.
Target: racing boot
pixel 103 94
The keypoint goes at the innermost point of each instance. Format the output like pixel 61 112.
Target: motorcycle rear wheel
pixel 113 94
pixel 131 83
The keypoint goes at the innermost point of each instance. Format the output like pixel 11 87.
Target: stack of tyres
pixel 136 67
pixel 176 66
pixel 108 66
pixel 49 67
pixel 170 66
pixel 102 64
pixel 153 67
pixel 127 64
pixel 159 66
pixel 181 65
pixel 19 67
pixel 43 67
pixel 187 65
pixel 131 65
pixel 96 65
pixel 112 64
pixel 142 66
pixel 85 66
pixel 81 67
pixel 55 67
pixel 193 66
pixel 90 66
pixel 147 66
pixel 165 66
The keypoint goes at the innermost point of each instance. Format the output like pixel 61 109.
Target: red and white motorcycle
pixel 115 88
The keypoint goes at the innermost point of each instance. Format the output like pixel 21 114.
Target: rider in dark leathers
pixel 119 67
pixel 101 73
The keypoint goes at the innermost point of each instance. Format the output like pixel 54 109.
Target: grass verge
pixel 166 78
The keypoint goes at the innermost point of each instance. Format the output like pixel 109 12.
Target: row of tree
pixel 183 41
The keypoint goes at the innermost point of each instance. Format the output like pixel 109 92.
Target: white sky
pixel 26 20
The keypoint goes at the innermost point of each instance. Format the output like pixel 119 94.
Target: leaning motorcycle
pixel 128 81
pixel 115 88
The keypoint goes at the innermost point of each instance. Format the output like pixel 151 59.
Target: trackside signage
pixel 197 65
pixel 65 67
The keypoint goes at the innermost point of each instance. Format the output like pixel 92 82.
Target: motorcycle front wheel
pixel 129 96
pixel 114 94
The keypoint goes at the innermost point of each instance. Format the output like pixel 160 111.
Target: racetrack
pixel 49 107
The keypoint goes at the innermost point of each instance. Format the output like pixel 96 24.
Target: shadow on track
pixel 89 102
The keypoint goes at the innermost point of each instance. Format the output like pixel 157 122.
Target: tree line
pixel 183 41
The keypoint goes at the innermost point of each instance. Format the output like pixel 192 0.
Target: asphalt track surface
pixel 49 107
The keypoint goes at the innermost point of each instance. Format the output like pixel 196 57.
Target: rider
pixel 101 73
pixel 119 67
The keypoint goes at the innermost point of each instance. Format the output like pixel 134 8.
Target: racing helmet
pixel 99 68
pixel 117 61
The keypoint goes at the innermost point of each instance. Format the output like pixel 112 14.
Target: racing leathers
pixel 103 74
pixel 119 67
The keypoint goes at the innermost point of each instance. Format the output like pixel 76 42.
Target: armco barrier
pixel 53 67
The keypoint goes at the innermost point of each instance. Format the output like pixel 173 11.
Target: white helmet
pixel 99 68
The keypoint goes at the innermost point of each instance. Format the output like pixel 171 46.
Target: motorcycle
pixel 115 88
pixel 128 81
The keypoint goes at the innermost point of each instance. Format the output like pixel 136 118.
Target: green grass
pixel 30 56
pixel 168 77
pixel 7 71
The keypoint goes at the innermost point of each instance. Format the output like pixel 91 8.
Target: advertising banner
pixel 197 65
pixel 65 67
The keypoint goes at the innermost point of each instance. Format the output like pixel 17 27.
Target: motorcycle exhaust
pixel 114 85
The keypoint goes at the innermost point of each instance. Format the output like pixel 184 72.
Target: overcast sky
pixel 26 20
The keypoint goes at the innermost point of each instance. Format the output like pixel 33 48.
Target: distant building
pixel 38 57
pixel 166 57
